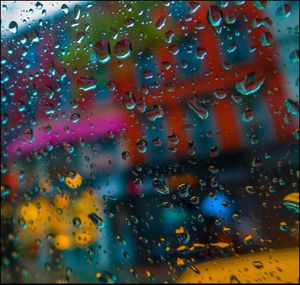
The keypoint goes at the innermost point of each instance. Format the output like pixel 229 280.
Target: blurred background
pixel 142 137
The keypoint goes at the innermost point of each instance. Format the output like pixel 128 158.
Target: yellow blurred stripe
pixel 276 266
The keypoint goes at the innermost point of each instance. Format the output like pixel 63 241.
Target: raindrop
pixel 198 108
pixel 266 39
pixel 86 83
pixel 294 56
pixel 214 16
pixel 251 83
pixel 123 49
pixel 161 21
pixel 248 114
pixel 102 50
pixel 65 8
pixel 284 11
pixel 129 100
pixel 155 112
pixel 183 189
pixel 106 277
pixel 220 94
pixel 98 222
pixel 194 6
pixel 160 186
pixel 141 145
pixel 75 117
pixel 13 27
pixel 292 107
pixel 258 264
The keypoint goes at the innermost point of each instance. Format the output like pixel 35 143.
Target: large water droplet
pixel 154 113
pixel 284 11
pixel 161 21
pixel 97 221
pixel 13 27
pixel 248 114
pixel 86 83
pixel 214 16
pixel 251 83
pixel 102 50
pixel 123 49
pixel 198 108
pixel 160 186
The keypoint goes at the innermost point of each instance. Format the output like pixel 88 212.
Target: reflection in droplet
pixel 160 186
pixel 251 83
pixel 13 27
pixel 106 277
pixel 214 16
pixel 102 50
pixel 123 49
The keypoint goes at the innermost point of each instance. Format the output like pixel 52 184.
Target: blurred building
pixel 44 137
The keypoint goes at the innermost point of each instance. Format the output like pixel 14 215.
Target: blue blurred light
pixel 212 206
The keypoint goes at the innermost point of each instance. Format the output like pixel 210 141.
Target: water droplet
pixel 77 11
pixel 258 264
pixel 13 27
pixel 194 6
pixel 154 112
pixel 198 108
pixel 200 53
pixel 79 37
pixel 86 83
pixel 29 134
pixel 65 8
pixel 283 226
pixel 266 39
pixel 182 235
pixel 141 145
pixel 141 104
pixel 248 114
pixel 75 117
pixel 5 190
pixel 129 100
pixel 73 179
pixel 98 222
pixel 106 277
pixel 194 200
pixel 160 186
pixel 169 35
pixel 291 201
pixel 214 151
pixel 294 56
pixel 251 83
pixel 292 107
pixel 214 16
pixel 248 239
pixel 128 23
pixel 284 11
pixel 220 93
pixel 234 280
pixel 123 49
pixel 102 50
pixel 250 189
pixel 125 155
pixel 111 86
pixel 183 189
pixel 161 21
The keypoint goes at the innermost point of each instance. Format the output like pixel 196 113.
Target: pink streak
pixel 112 121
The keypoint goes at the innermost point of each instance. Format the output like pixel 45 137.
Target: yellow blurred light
pixel 84 237
pixel 62 242
pixel 74 182
pixel 62 200
pixel 278 266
